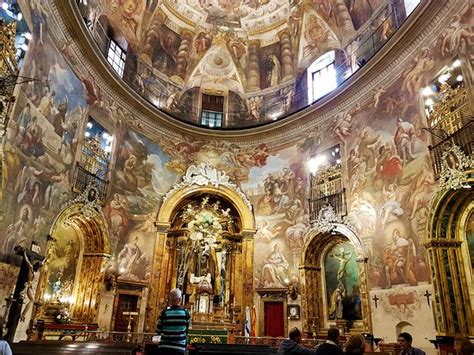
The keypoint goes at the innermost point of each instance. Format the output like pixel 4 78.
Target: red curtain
pixel 274 319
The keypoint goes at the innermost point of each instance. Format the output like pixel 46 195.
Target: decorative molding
pixel 453 168
pixel 383 69
pixel 205 174
pixel 327 220
pixel 91 206
pixel 442 244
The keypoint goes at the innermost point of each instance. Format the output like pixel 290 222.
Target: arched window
pixel 321 76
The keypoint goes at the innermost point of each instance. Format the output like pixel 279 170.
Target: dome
pixel 237 64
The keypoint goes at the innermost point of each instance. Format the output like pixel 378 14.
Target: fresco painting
pixel 172 58
pixel 41 140
pixel 278 194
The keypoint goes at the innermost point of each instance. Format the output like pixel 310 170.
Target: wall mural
pixel 41 140
pixel 278 193
pixel 342 282
pixel 388 173
pixel 140 180
pixel 179 45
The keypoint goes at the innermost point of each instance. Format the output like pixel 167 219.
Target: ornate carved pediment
pixel 328 218
pixel 89 198
pixel 453 168
pixel 205 174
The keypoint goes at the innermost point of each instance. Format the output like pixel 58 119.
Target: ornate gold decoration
pixel 447 113
pixel 91 206
pixel 205 174
pixel 453 168
pixel 328 218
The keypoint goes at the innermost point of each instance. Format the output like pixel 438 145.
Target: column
pixel 364 294
pixel 182 59
pixel 152 37
pixel 156 295
pixel 287 64
pixel 253 68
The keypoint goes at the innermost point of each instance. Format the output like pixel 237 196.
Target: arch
pixel 173 202
pixel 94 253
pixel 202 180
pixel 312 275
pixel 403 326
pixel 445 242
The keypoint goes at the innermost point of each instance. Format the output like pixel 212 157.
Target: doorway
pixel 127 306
pixel 274 319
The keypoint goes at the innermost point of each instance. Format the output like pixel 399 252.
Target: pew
pixel 47 347
pixel 204 349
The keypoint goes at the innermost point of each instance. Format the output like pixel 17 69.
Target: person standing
pixel 173 325
pixel 291 346
pixel 405 340
pixel 331 346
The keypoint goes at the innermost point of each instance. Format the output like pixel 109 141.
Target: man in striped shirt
pixel 173 326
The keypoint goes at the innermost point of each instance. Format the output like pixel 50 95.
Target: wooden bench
pixel 202 349
pixel 46 347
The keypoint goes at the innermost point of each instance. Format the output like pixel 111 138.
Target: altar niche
pixel 335 291
pixel 71 279
pixel 204 243
pixel 208 253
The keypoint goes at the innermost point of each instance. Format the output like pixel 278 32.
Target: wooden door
pixel 126 303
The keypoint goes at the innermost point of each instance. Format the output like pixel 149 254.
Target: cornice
pixel 420 30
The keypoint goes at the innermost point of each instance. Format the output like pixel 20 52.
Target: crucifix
pixel 30 264
pixel 375 298
pixel 427 295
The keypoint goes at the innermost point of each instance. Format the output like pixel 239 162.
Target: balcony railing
pixel 84 178
pixel 337 201
pixel 464 138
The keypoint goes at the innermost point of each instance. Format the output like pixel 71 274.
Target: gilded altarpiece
pixel 78 232
pixel 205 247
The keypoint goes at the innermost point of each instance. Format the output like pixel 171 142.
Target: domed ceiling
pixel 254 53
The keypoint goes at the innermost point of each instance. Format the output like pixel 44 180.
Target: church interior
pixel 284 163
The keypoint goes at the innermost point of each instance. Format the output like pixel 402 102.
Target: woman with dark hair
pixel 355 345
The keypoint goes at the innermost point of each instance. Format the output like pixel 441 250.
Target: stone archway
pixel 313 278
pixel 199 181
pixel 83 216
pixel 449 259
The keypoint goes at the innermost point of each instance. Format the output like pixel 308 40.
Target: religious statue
pixel 202 262
pixel 28 290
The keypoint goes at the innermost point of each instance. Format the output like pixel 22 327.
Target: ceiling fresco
pixel 241 47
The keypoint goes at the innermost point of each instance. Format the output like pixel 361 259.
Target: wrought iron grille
pixel 463 137
pixel 83 178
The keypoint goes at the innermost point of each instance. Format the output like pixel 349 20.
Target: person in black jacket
pixel 331 346
pixel 291 346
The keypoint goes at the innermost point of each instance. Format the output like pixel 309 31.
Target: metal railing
pixel 337 201
pixel 464 138
pixel 84 178
pixel 152 85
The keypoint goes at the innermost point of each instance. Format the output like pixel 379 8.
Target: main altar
pixel 205 248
